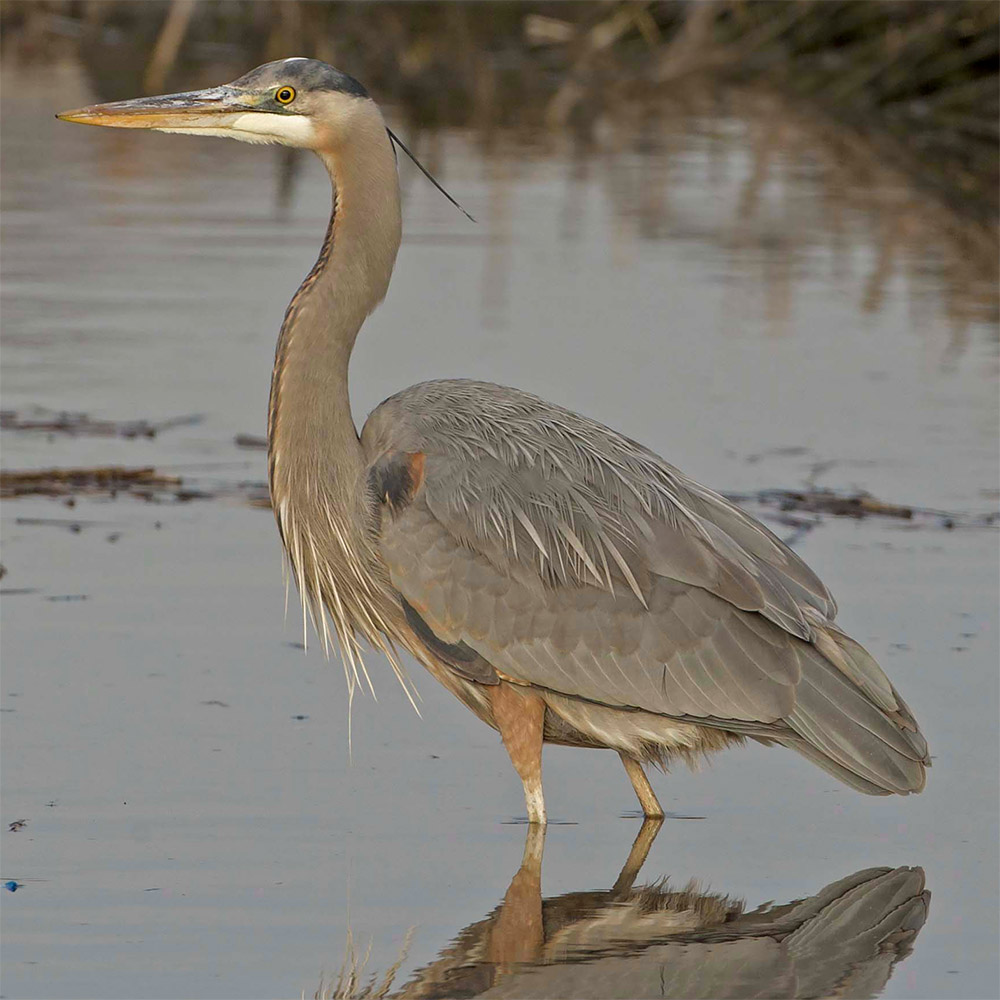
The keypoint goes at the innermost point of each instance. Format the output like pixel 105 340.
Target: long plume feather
pixel 395 138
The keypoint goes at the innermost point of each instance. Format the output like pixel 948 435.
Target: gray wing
pixel 569 557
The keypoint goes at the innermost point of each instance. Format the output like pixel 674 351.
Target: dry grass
pixel 353 981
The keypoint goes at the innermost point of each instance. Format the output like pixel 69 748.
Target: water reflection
pixel 771 199
pixel 655 940
pixel 775 194
pixel 774 200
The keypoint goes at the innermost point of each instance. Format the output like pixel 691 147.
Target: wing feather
pixel 568 557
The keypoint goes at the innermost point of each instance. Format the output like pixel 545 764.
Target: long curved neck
pixel 312 440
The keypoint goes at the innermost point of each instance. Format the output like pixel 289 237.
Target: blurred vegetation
pixel 919 79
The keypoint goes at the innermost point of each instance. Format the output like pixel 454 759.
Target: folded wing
pixel 571 558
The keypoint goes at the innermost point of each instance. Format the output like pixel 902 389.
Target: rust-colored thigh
pixel 519 714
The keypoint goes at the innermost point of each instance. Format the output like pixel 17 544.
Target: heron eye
pixel 285 95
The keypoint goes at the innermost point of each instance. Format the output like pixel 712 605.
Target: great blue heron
pixel 567 584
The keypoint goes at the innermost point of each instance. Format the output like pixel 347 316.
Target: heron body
pixel 564 582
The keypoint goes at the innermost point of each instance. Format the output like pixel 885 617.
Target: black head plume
pixel 395 139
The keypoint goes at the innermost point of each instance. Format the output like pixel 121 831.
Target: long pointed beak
pixel 196 109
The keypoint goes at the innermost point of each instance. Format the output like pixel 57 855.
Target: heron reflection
pixel 654 940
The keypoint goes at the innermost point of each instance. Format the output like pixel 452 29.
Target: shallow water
pixel 730 288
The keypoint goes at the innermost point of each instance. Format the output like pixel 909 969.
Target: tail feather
pixel 841 773
pixel 843 728
pixel 859 666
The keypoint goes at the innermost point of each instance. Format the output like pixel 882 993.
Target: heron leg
pixel 519 714
pixel 643 789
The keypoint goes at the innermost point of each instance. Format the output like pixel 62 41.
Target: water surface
pixel 720 281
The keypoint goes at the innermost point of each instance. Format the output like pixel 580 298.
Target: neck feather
pixel 315 460
pixel 311 433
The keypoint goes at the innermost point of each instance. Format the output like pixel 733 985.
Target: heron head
pixel 296 102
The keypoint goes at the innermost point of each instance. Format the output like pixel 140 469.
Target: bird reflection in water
pixel 655 941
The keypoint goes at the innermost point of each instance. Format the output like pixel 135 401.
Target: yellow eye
pixel 285 95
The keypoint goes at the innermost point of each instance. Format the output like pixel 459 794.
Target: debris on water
pixel 52 422
pixel 300 718
pixel 855 504
pixel 828 502
pixel 57 522
pixel 250 441
pixel 143 483
pixel 791 451
pixel 62 482
pixel 216 702
pixel 12 885
pixel 68 597
pixel 256 494
pixel 18 824
pixel 114 536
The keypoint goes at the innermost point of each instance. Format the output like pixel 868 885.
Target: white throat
pixel 253 126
